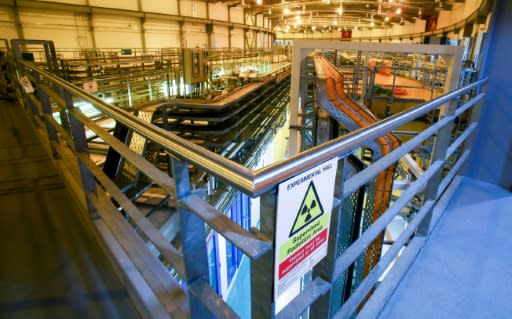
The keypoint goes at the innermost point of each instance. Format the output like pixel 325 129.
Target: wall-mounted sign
pixel 304 207
pixel 27 85
pixel 91 86
pixel 346 35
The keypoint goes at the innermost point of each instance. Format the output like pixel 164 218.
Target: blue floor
pixel 465 268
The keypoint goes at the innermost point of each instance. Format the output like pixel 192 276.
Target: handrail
pixel 259 181
pixel 191 264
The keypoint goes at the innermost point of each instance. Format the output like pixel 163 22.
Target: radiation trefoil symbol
pixel 310 210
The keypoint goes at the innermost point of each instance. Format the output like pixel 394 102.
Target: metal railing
pixel 156 291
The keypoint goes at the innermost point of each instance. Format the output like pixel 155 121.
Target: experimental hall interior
pixel 312 159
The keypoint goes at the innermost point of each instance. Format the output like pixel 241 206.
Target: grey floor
pixel 465 268
pixel 50 266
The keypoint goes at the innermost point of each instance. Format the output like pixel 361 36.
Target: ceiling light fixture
pixel 399 11
pixel 286 11
pixel 386 19
pixel 340 9
pixel 259 2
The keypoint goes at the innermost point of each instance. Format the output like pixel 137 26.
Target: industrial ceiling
pixel 352 14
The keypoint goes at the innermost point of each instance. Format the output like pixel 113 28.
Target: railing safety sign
pixel 304 207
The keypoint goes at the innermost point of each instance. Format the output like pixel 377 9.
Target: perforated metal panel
pixel 138 143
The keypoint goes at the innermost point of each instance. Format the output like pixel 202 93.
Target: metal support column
pixel 193 240
pixel 262 269
pixel 77 131
pixel 47 110
pixel 17 20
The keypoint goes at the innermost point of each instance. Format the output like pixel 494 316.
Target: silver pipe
pixel 257 182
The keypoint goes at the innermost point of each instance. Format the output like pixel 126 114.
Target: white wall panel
pixel 444 19
pixel 7 24
pixel 420 26
pixel 218 11
pixel 161 34
pixel 220 37
pixel 457 13
pixel 118 4
pixel 237 38
pixel 471 6
pixel 193 8
pixel 159 6
pixel 409 28
pixel 200 9
pixel 58 26
pixel 117 32
pixel 237 15
pixel 194 35
pixel 259 20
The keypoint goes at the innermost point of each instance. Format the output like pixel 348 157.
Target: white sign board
pixel 27 85
pixel 304 207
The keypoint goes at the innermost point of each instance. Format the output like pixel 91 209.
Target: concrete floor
pixel 51 264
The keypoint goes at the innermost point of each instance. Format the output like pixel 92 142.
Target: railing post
pixel 47 110
pixel 439 151
pixel 193 236
pixel 474 117
pixel 262 269
pixel 77 131
pixel 324 306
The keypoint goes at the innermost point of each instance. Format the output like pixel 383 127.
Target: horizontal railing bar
pixel 312 291
pixel 160 178
pixel 462 137
pixel 211 300
pixel 464 107
pixel 264 179
pixel 246 241
pixel 448 178
pixel 369 282
pixel 168 290
pixel 269 176
pixel 373 306
pixel 146 300
pixel 354 250
pixel 55 97
pixel 37 104
pixel 235 173
pixel 363 177
pixel 62 132
pixel 165 248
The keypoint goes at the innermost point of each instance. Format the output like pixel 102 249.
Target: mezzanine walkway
pixel 51 264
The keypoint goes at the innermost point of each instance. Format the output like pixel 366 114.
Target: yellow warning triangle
pixel 310 209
